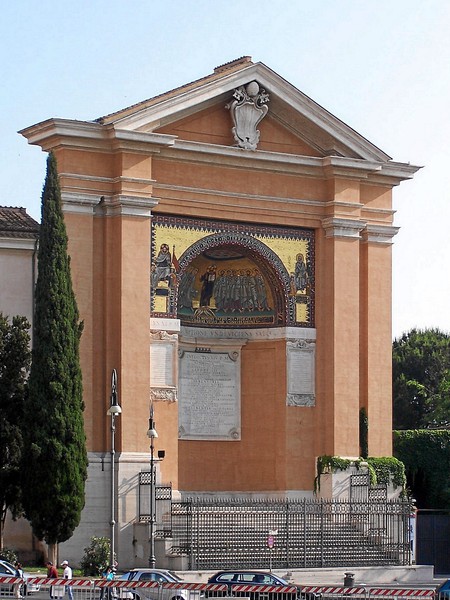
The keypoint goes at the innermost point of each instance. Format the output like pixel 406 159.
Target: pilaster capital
pixel 76 202
pixel 130 206
pixel 343 228
pixel 379 234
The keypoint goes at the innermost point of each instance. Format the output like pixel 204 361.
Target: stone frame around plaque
pixel 163 366
pixel 212 367
pixel 300 365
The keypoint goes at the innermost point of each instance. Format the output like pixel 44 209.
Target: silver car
pixel 8 570
pixel 156 593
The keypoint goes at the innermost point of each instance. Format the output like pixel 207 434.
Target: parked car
pixel 7 569
pixel 235 577
pixel 159 575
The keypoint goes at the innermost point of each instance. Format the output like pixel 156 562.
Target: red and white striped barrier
pixel 387 592
pixel 59 581
pixel 411 592
pixel 121 583
pixel 320 589
pixel 250 587
pixel 10 579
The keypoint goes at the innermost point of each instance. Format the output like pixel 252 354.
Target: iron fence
pixel 163 505
pixel 234 533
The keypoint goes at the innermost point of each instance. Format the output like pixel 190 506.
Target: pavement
pixel 409 576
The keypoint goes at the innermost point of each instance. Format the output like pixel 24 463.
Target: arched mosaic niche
pixel 230 279
pixel 225 274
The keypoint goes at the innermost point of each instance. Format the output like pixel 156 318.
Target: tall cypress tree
pixel 55 466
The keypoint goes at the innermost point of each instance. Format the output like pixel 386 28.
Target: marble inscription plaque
pixel 301 373
pixel 209 395
pixel 161 361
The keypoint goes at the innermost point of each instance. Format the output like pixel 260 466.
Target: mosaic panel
pixel 220 274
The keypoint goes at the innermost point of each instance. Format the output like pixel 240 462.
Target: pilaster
pixel 376 335
pixel 338 335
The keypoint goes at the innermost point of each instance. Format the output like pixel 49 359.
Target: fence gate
pixel 432 539
pixel 163 505
pixel 235 533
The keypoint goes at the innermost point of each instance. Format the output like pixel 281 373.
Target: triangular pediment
pixel 294 123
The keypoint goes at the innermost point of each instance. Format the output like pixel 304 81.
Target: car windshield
pixel 7 568
pixel 165 576
pixel 249 577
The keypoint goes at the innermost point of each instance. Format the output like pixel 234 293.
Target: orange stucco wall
pixel 111 271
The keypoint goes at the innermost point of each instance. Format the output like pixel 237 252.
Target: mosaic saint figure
pixel 187 291
pixel 161 266
pixel 208 280
pixel 220 291
pixel 261 291
pixel 252 291
pixel 301 273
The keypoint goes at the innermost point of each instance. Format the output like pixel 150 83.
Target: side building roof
pixel 16 223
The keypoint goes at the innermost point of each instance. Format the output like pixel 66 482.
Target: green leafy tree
pixel 14 366
pixel 55 465
pixel 421 380
pixel 426 456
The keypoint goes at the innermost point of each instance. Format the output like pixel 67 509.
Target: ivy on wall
pixel 389 470
pixel 363 432
pixel 386 469
pixel 426 455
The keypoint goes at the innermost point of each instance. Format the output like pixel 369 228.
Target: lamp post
pixel 152 434
pixel 113 411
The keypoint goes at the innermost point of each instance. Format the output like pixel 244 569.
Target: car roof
pixel 166 572
pixel 246 571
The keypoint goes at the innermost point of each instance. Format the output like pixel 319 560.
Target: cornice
pixel 379 234
pixel 57 133
pixel 212 91
pixel 18 243
pixel 120 204
pixel 343 228
pixel 106 180
pixel 187 101
pixel 81 203
pixel 301 103
pixel 125 205
pixel 327 167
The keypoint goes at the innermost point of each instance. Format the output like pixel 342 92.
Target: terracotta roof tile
pixel 15 222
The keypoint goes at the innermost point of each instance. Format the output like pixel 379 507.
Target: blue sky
pixel 381 66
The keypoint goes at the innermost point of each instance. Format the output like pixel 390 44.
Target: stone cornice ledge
pixel 134 206
pixel 130 206
pixel 73 202
pixel 380 234
pixel 67 132
pixel 18 243
pixel 389 173
pixel 347 228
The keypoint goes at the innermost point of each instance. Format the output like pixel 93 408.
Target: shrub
pixel 96 556
pixel 9 555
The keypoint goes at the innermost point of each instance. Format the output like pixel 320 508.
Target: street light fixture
pixel 152 434
pixel 114 410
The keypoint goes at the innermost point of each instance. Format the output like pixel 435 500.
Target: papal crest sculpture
pixel 247 110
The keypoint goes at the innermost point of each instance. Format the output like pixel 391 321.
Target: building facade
pixel 19 235
pixel 230 245
pixel 18 249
